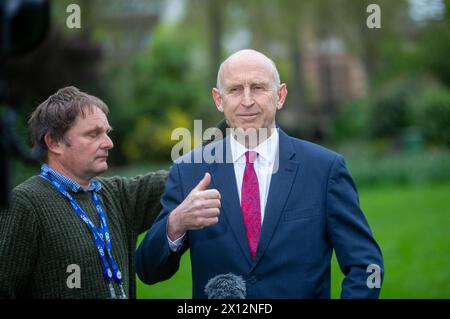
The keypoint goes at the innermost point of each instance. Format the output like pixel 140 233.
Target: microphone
pixel 226 286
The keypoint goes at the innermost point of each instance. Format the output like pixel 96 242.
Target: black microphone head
pixel 226 286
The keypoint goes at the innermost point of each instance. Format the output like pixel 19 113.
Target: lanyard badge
pixel 101 237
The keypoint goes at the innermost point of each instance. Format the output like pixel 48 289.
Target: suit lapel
pixel 224 179
pixel 280 187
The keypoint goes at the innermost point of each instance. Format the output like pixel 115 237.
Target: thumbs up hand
pixel 203 184
pixel 201 208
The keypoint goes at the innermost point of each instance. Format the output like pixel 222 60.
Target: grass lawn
pixel 412 226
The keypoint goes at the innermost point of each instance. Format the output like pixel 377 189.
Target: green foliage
pixel 352 120
pixel 400 168
pixel 162 76
pixel 151 139
pixel 165 95
pixel 434 51
pixel 392 108
pixel 433 115
pixel 397 58
pixel 390 111
pixel 408 112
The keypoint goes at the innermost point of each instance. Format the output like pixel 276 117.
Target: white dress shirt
pixel 267 152
pixel 263 165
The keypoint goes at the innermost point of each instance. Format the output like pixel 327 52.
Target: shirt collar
pixel 266 150
pixel 68 183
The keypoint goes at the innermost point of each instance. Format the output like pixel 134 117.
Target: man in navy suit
pixel 270 209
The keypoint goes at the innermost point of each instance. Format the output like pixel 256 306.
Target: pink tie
pixel 250 202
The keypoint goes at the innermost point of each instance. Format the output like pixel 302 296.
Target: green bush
pixel 352 120
pixel 432 115
pixel 400 168
pixel 165 95
pixel 151 139
pixel 390 110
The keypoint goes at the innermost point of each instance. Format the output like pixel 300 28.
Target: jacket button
pixel 252 280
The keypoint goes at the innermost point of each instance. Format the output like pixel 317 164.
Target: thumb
pixel 203 184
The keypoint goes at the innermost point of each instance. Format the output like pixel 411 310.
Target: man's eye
pixel 235 90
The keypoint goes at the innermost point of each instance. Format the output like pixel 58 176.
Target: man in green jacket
pixel 67 234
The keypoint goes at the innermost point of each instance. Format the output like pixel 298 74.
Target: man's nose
pixel 247 99
pixel 107 143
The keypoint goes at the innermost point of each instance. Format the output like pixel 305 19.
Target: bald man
pixel 273 207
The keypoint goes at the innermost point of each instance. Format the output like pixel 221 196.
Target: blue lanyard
pixel 101 236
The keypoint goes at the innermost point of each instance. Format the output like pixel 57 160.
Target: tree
pixel 165 95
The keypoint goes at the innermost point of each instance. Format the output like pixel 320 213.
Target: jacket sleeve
pixel 357 252
pixel 18 246
pixel 139 197
pixel 154 260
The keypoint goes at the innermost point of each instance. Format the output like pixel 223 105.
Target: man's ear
pixel 281 95
pixel 53 145
pixel 217 99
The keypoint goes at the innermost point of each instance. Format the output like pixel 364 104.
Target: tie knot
pixel 250 157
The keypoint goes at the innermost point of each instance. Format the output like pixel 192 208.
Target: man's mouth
pixel 248 117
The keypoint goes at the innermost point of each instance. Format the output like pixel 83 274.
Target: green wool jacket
pixel 41 237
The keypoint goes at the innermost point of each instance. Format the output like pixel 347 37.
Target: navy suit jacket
pixel 312 208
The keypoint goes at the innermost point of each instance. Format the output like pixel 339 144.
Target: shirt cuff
pixel 176 244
